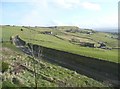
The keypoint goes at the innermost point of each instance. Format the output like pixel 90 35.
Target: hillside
pixel 69 39
pixel 21 72
pixel 71 47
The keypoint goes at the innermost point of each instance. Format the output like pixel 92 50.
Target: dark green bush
pixel 5 66
pixel 15 81
pixel 8 85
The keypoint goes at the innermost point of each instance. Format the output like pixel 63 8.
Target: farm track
pixel 97 75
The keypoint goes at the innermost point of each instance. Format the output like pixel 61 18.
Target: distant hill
pixel 107 29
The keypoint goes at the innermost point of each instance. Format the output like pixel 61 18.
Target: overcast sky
pixel 82 13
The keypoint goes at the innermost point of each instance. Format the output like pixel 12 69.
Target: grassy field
pixel 33 35
pixel 100 36
pixel 48 75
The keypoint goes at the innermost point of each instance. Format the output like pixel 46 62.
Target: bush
pixel 15 81
pixel 5 66
pixel 8 85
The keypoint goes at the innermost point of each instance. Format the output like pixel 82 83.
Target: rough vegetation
pixel 19 68
pixel 5 66
pixel 21 72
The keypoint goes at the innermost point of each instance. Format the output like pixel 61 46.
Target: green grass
pixel 49 75
pixel 53 42
pixel 99 36
pixel 50 41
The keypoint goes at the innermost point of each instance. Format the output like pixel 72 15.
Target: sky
pixel 82 13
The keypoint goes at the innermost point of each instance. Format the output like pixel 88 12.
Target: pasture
pixel 33 35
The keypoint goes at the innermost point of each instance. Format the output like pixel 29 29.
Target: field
pixel 60 39
pixel 21 72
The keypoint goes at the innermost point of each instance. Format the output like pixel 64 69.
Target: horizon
pixel 95 29
pixel 84 14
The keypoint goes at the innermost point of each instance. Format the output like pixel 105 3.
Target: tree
pixel 33 54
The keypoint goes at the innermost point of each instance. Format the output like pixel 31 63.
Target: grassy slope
pixel 49 74
pixel 99 36
pixel 53 42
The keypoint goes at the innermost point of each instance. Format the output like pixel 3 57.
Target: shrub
pixel 7 85
pixel 15 81
pixel 5 66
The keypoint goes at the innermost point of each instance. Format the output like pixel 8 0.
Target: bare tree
pixel 39 55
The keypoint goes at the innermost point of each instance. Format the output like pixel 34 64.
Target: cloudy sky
pixel 82 13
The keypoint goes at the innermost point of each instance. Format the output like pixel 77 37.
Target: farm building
pixel 87 44
pixel 46 32
pixel 89 33
pixel 102 45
